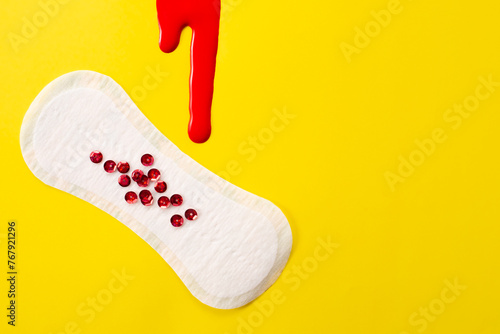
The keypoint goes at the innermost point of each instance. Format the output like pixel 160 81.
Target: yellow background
pixel 325 170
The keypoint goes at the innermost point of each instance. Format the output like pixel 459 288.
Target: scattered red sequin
pixel 137 174
pixel 154 174
pixel 147 160
pixel 143 182
pixel 146 197
pixel 110 166
pixel 161 186
pixel 96 157
pixel 177 220
pixel 163 202
pixel 176 200
pixel 191 214
pixel 131 197
pixel 123 167
pixel 124 180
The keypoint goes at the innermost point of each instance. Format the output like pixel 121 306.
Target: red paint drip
pixel 203 18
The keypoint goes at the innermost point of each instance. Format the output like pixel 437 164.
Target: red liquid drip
pixel 203 18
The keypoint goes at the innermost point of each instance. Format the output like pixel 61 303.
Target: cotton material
pixel 230 255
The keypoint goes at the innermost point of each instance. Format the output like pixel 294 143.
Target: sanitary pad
pixel 227 257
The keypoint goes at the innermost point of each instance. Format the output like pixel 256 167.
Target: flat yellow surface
pixel 386 165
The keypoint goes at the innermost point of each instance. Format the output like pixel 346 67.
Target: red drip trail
pixel 202 16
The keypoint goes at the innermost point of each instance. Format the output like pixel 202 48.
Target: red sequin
pixel 124 180
pixel 191 214
pixel 163 202
pixel 147 160
pixel 131 197
pixel 143 182
pixel 96 157
pixel 176 200
pixel 177 220
pixel 146 197
pixel 154 174
pixel 110 166
pixel 123 167
pixel 161 186
pixel 137 174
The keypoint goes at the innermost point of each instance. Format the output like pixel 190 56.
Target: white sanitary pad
pixel 231 254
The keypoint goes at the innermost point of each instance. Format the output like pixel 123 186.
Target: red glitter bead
pixel 131 197
pixel 177 220
pixel 124 180
pixel 123 167
pixel 176 200
pixel 191 214
pixel 137 174
pixel 160 186
pixel 154 174
pixel 146 197
pixel 96 157
pixel 143 182
pixel 147 160
pixel 110 166
pixel 163 202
